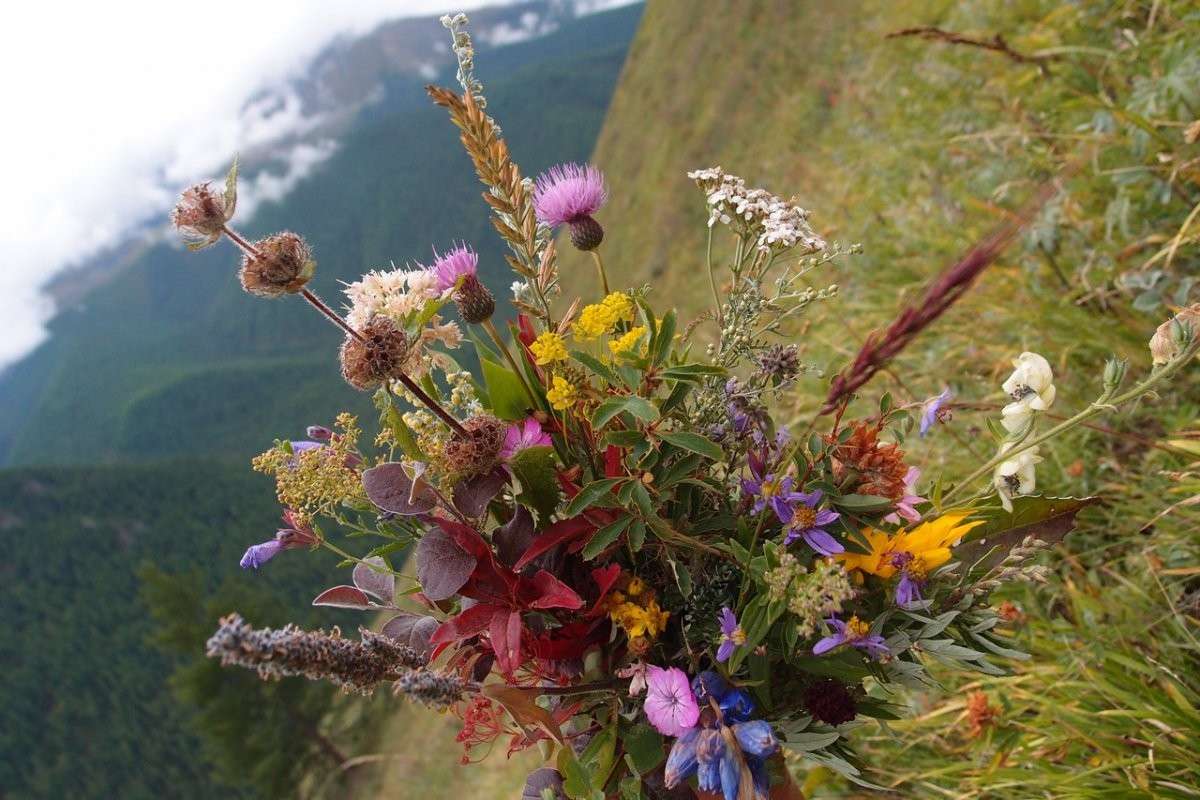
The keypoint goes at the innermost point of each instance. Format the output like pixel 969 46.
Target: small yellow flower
pixel 636 586
pixel 562 394
pixel 549 348
pixel 628 342
pixel 620 306
pixel 601 318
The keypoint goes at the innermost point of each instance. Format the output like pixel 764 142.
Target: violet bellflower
pixel 806 522
pixel 854 632
pixel 299 534
pixel 725 746
pixel 933 411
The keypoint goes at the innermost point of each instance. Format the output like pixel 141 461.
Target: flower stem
pixel 237 239
pixel 490 327
pixel 432 405
pixel 327 312
pixel 712 279
pixel 1106 402
pixel 600 268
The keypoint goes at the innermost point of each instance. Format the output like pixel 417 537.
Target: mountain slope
pixel 126 374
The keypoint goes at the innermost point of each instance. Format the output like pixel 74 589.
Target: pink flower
pixel 523 435
pixel 905 506
pixel 567 193
pixel 636 672
pixel 460 262
pixel 670 704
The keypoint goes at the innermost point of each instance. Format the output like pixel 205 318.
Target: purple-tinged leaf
pixel 472 495
pixel 541 780
pixel 1047 518
pixel 379 582
pixel 344 597
pixel 390 488
pixel 514 538
pixel 442 566
pixel 414 630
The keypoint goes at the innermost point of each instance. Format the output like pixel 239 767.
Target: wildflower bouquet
pixel 618 552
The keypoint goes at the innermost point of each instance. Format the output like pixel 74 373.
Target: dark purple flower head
pixel 932 410
pixel 568 193
pixel 732 635
pixel 808 523
pixel 461 261
pixel 854 632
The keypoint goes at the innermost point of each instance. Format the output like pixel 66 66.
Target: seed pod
pixel 475 303
pixel 378 357
pixel 281 264
pixel 479 451
pixel 586 233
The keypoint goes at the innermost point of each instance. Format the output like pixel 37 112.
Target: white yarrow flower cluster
pixel 774 223
pixel 396 293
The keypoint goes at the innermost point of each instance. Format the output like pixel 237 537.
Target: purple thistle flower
pixel 807 522
pixel 568 193
pixel 449 267
pixel 853 632
pixel 732 635
pixel 932 411
pixel 521 436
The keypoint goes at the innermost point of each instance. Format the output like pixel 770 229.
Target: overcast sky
pixel 104 100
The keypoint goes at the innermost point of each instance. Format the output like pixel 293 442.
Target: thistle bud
pixel 586 233
pixel 377 357
pixel 1174 335
pixel 280 264
pixel 479 451
pixel 475 303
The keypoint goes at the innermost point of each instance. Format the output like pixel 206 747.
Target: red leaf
pixel 550 592
pixel 605 578
pixel 443 567
pixel 552 537
pixel 612 462
pixel 527 335
pixel 343 597
pixel 569 641
pixel 467 537
pixel 506 641
pixel 471 622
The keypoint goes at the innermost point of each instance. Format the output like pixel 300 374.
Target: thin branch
pixel 996 44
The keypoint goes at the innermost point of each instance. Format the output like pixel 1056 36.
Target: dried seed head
pixel 200 214
pixel 379 356
pixel 479 451
pixel 282 264
pixel 475 303
pixel 586 233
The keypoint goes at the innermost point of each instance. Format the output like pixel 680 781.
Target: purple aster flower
pixel 449 267
pixel 932 410
pixel 769 490
pixel 670 705
pixel 912 577
pixel 808 523
pixel 732 635
pixel 906 505
pixel 521 436
pixel 568 193
pixel 854 632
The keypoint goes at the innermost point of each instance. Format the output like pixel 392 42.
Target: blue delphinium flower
pixel 806 522
pixel 732 635
pixel 725 747
pixel 932 411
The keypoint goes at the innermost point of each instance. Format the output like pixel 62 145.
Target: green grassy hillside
pixel 172 358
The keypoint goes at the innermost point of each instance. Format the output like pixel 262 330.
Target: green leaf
pixel 641 498
pixel 861 502
pixel 631 787
pixel 644 746
pixel 600 754
pixel 1047 518
pixel 394 420
pixel 639 407
pixel 692 372
pixel 604 537
pixel 683 578
pixel 677 472
pixel 507 396
pixel 693 442
pixel 663 338
pixel 534 468
pixel 637 535
pixel 597 366
pixel 590 495
pixel 678 394
pixel 807 742
pixel 625 438
pixel 577 779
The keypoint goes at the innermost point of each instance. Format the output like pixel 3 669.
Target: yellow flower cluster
pixel 316 481
pixel 637 611
pixel 562 394
pixel 548 348
pixel 601 318
pixel 626 343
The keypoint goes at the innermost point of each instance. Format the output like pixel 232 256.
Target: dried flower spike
pixel 277 265
pixel 569 194
pixel 378 356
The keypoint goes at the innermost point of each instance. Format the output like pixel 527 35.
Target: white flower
pixel 1016 475
pixel 1031 387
